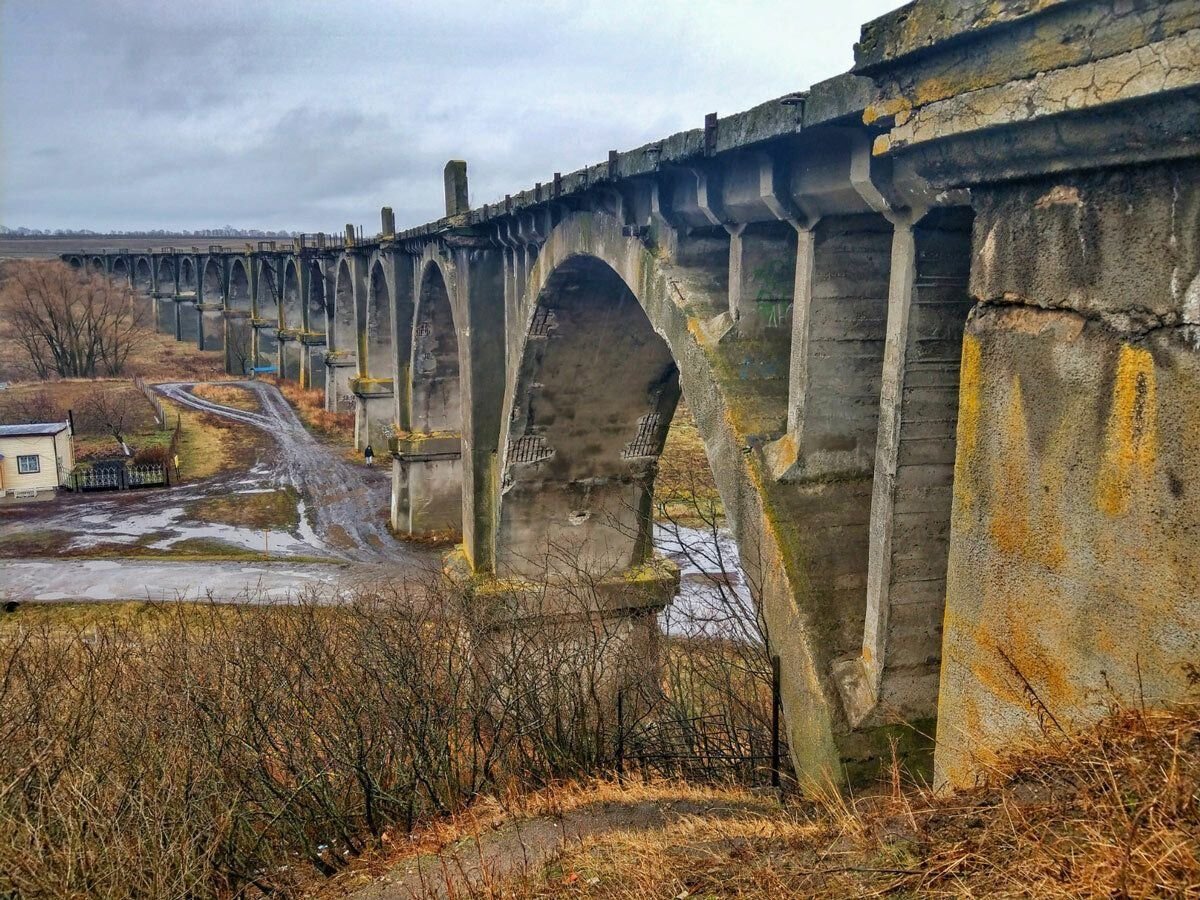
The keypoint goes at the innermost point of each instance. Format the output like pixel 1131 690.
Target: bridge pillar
pixel 164 313
pixel 427 484
pixel 341 369
pixel 188 320
pixel 312 362
pixel 211 326
pixel 374 412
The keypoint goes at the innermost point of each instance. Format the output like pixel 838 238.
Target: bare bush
pixel 235 749
pixel 68 322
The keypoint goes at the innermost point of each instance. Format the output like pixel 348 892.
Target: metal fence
pixel 704 747
pixel 118 475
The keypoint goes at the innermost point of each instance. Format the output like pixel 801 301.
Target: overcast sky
pixel 307 114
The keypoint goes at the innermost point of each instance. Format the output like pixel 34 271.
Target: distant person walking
pixel 370 455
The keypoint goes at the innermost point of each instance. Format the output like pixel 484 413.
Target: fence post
pixel 775 709
pixel 621 736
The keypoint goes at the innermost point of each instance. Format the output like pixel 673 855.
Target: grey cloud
pixel 306 114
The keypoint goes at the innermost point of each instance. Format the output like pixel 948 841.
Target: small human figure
pixel 370 455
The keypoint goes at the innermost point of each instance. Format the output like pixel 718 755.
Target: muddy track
pixel 349 502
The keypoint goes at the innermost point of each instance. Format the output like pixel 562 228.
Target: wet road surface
pixel 342 514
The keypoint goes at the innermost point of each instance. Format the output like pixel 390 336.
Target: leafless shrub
pixel 235 749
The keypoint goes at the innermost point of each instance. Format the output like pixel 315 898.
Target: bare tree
pixel 69 322
pixel 116 412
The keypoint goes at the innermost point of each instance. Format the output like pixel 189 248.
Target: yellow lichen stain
pixel 1131 438
pixel 881 145
pixel 886 109
pixel 1010 525
pixel 969 401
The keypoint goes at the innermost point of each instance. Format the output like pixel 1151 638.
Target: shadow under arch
pixel 120 268
pixel 166 275
pixel 764 523
pixel 316 326
pixel 435 395
pixel 428 494
pixel 239 337
pixel 595 392
pixel 379 332
pixel 187 275
pixel 143 279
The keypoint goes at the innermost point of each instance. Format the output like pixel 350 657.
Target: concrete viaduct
pixel 937 319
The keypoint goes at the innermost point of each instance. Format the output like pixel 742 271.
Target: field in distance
pixel 50 247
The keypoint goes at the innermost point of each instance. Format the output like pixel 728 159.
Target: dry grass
pixel 212 445
pixel 159 357
pixel 233 395
pixel 265 509
pixel 309 404
pixel 1114 812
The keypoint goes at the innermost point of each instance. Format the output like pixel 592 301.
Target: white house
pixel 35 460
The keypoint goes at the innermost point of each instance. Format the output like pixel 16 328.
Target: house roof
pixel 37 430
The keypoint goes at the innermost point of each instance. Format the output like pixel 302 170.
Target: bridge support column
pixel 312 365
pixel 427 484
pixel 341 368
pixel 1072 565
pixel 188 320
pixel 211 326
pixel 164 314
pixel 896 674
pixel 374 412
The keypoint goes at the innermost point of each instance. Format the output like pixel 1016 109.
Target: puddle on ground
pixel 171 525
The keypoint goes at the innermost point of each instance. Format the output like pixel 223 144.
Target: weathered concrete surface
pixel 1073 572
pixel 801 268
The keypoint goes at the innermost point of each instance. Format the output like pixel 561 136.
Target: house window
pixel 29 465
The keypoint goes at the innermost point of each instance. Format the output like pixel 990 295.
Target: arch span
pixel 592 399
pixel 166 274
pixel 143 278
pixel 379 333
pixel 293 308
pixel 239 337
pixel 427 471
pixel 120 268
pixel 590 247
pixel 97 264
pixel 187 275
pixel 436 387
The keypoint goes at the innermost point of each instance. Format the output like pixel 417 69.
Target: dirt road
pixel 349 502
pixel 342 518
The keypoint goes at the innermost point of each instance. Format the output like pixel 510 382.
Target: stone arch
pixel 341 334
pixel 435 367
pixel 120 268
pixel 187 275
pixel 594 394
pixel 97 264
pixel 379 335
pixel 75 262
pixel 239 338
pixel 143 278
pixel 239 286
pixel 764 518
pixel 318 312
pixel 210 282
pixel 166 274
pixel 293 307
pixel 267 307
